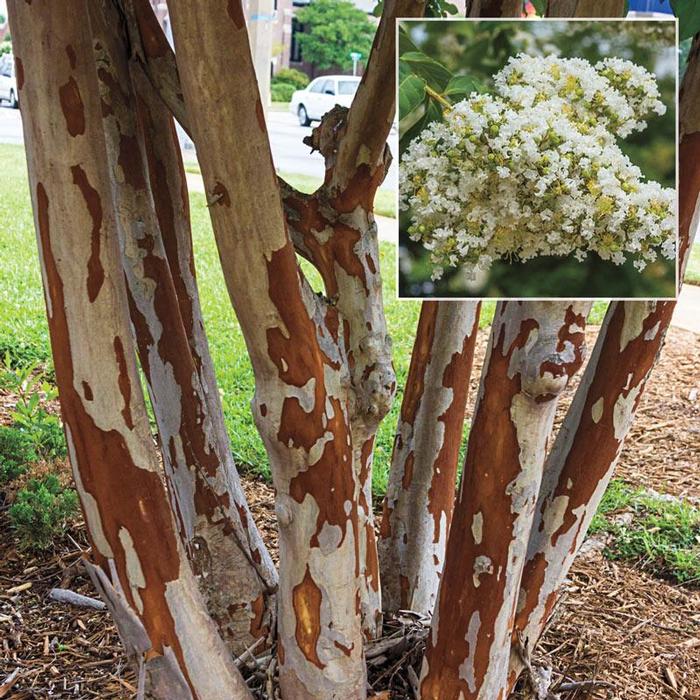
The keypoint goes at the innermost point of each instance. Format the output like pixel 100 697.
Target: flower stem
pixel 437 96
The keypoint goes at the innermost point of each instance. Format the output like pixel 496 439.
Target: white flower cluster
pixel 536 170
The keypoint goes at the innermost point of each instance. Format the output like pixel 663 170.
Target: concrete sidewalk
pixel 687 313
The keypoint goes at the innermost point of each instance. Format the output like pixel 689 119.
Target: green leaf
pixel 433 113
pixel 413 117
pixel 540 6
pixel 411 97
pixel 688 13
pixel 460 87
pixel 378 9
pixel 405 44
pixel 435 74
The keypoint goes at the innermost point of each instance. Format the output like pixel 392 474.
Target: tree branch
pixel 372 111
pixel 156 58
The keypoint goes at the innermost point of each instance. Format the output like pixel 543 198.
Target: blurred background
pixel 480 49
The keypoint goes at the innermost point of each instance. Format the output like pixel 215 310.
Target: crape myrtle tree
pixel 175 553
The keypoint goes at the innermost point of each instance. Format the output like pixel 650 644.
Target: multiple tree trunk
pixel 182 566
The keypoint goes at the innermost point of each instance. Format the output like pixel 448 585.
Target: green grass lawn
pixel 23 331
pixel 692 272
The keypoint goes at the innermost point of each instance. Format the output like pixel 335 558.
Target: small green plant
pixel 281 92
pixel 663 536
pixel 16 451
pixel 40 512
pixel 292 76
pixel 43 428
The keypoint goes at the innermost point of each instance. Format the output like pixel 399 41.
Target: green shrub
pixel 293 77
pixel 43 428
pixel 16 450
pixel 281 92
pixel 40 512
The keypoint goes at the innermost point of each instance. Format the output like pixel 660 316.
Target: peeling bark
pixel 338 234
pixel 207 497
pixel 297 349
pixel 161 615
pixel 335 229
pixel 418 506
pixel 534 349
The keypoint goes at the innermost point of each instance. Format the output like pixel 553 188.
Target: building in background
pixel 4 26
pixel 269 26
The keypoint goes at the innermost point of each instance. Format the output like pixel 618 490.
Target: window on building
pixel 295 48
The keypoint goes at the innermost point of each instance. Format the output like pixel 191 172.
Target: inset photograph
pixel 537 159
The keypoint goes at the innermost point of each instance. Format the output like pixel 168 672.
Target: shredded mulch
pixel 618 634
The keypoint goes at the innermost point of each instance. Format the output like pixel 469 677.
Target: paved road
pixel 288 151
pixel 292 156
pixel 10 125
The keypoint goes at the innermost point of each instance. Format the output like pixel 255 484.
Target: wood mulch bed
pixel 618 634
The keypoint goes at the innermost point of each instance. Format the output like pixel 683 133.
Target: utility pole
pixel 260 18
pixel 355 56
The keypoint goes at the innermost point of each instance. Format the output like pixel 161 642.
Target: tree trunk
pixel 494 8
pixel 297 349
pixel 140 565
pixel 534 349
pixel 586 8
pixel 207 496
pixel 418 506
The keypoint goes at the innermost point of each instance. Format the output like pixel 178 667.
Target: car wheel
pixel 303 116
pixel 14 102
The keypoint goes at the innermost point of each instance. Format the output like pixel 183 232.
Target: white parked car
pixel 8 81
pixel 321 95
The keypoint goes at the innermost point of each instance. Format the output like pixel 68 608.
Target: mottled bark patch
pixel 329 481
pixel 19 72
pixel 130 162
pixel 96 275
pixel 72 107
pixel 70 52
pixel 235 12
pixel 306 600
pixel 260 115
pixel 220 195
pixel 124 382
